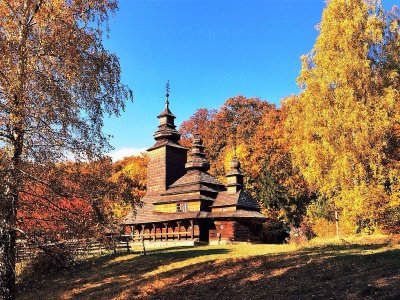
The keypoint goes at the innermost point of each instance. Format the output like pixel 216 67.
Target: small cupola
pixel 234 176
pixel 197 157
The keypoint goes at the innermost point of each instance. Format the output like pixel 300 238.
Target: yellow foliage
pixel 323 228
pixel 339 125
pixel 130 175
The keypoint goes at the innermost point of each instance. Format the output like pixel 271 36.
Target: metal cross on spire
pixel 167 95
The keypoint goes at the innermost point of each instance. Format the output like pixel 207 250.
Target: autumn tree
pixel 129 175
pixel 73 200
pixel 342 125
pixel 60 206
pixel 278 184
pixel 233 124
pixel 198 123
pixel 56 83
pixel 257 129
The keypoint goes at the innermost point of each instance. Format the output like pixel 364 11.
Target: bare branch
pixel 36 9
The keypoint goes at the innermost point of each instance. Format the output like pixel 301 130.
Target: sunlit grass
pixel 355 267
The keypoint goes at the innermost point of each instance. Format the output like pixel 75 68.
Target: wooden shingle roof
pixel 197 176
pixel 240 214
pixel 145 215
pixel 241 199
pixel 161 143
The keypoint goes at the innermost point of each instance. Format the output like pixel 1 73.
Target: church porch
pixel 179 231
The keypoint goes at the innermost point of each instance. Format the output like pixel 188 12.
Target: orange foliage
pixel 129 175
pixel 257 129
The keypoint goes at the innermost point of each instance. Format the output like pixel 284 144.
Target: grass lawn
pixel 351 269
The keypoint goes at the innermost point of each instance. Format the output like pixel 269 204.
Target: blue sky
pixel 210 50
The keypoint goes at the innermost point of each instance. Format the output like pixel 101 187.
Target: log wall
pixel 224 230
pixel 242 232
pixel 235 231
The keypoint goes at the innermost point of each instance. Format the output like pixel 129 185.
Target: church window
pixel 181 207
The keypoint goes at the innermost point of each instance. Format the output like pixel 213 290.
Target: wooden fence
pixel 78 248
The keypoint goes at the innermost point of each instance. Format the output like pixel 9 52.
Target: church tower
pixel 167 157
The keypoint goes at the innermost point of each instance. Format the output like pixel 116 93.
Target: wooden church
pixel 184 203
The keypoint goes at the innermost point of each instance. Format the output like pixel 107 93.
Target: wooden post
pixel 337 223
pixel 154 232
pixel 132 232
pixel 166 231
pixel 192 229
pixel 113 241
pixel 179 229
pixel 128 250
pixel 143 247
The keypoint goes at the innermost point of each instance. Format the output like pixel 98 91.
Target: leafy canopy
pixel 341 125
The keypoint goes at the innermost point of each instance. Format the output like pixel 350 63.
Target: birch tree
pixel 341 126
pixel 56 83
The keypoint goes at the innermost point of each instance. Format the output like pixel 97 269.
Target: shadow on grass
pixel 347 247
pixel 323 273
pixel 187 253
pixel 351 276
pixel 91 278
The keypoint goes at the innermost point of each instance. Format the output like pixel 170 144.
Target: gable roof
pixel 161 143
pixel 241 198
pixel 196 176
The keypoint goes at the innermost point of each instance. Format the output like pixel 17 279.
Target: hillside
pixel 346 270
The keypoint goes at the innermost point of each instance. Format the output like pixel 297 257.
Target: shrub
pixel 301 234
pixel 274 232
pixel 51 260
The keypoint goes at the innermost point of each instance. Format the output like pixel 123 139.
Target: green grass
pixel 337 269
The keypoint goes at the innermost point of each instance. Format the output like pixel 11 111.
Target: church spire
pixel 166 130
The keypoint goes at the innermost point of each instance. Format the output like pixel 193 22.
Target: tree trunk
pixel 337 223
pixel 13 180
pixel 9 201
pixel 8 219
pixel 7 252
pixel 8 213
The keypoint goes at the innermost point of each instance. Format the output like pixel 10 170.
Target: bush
pixel 274 232
pixel 300 235
pixel 51 260
pixel 391 221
